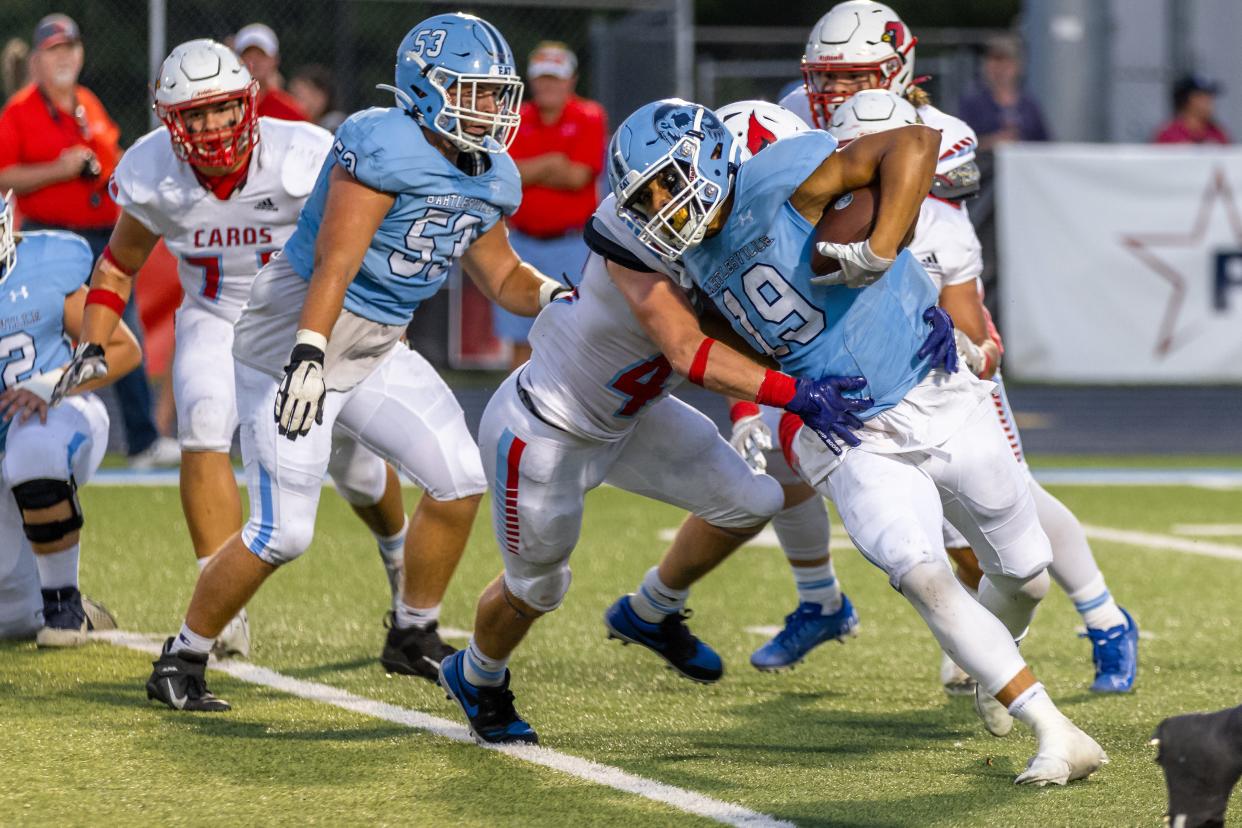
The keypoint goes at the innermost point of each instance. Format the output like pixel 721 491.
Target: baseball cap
pixel 257 35
pixel 54 30
pixel 1197 83
pixel 551 58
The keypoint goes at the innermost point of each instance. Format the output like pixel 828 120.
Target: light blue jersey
pixel 50 266
pixel 439 211
pixel 757 271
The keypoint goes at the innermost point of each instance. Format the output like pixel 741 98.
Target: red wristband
pixel 107 298
pixel 698 368
pixel 742 409
pixel 110 259
pixel 777 389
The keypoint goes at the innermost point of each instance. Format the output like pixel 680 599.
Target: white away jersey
pixel 220 245
pixel 593 370
pixel 946 244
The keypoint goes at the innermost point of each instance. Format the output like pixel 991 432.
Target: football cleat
pixel 413 651
pixel 179 681
pixel 955 680
pixel 1115 653
pixel 98 617
pixel 1065 754
pixel 1201 756
pixel 670 639
pixel 64 619
pixel 489 710
pixel 805 629
pixel 234 639
pixel 995 715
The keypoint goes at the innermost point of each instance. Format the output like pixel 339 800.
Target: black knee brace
pixel 43 494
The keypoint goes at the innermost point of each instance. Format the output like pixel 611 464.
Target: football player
pixel 223 188
pixel 929 445
pixel 406 192
pixel 42 294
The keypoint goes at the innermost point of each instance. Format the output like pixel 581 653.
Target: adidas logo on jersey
pixel 930 262
pixel 266 204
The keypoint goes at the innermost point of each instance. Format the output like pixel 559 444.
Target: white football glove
pixel 88 363
pixel 859 264
pixel 299 400
pixel 972 355
pixel 751 437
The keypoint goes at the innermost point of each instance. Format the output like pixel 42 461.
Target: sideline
pixel 679 798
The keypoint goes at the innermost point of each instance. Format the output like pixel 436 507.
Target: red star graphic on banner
pixel 1217 191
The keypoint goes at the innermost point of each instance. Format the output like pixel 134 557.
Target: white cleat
pixel 955 680
pixel 1064 755
pixel 995 716
pixel 234 640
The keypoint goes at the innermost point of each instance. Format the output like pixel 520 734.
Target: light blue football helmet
pixel 8 242
pixel 685 149
pixel 456 75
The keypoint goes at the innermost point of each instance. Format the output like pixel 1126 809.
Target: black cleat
pixel 64 619
pixel 179 681
pixel 413 651
pixel 1201 755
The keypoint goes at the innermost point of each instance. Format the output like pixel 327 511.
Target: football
pixel 849 218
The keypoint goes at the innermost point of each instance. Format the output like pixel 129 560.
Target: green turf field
pixel 859 735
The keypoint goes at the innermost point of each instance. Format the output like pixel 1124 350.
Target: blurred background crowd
pixel 1040 81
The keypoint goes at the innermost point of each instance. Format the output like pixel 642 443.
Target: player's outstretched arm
pixel 112 280
pixel 505 279
pixel 351 216
pixel 963 303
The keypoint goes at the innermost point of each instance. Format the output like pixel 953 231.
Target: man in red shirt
pixel 559 152
pixel 58 148
pixel 259 49
pixel 1194 117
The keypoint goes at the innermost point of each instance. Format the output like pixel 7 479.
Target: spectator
pixel 14 68
pixel 559 152
pixel 1194 114
pixel 58 148
pixel 1000 111
pixel 259 49
pixel 312 87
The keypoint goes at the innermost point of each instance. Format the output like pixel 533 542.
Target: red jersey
pixel 275 103
pixel 33 130
pixel 580 133
pixel 1176 132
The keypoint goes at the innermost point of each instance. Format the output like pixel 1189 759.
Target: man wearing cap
pixel 559 152
pixel 1194 115
pixel 259 49
pixel 58 147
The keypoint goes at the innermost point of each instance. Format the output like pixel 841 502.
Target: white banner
pixel 1121 263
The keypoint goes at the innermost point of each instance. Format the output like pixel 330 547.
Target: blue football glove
pixel 940 344
pixel 826 410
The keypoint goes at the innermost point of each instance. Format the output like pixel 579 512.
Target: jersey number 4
pixel 458 229
pixel 785 315
pixel 640 383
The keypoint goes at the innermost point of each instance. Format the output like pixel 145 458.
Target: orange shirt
pixel 580 133
pixel 33 130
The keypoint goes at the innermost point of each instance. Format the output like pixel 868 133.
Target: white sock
pixel 392 548
pixel 654 600
pixel 481 670
pixel 1034 708
pixel 407 616
pixel 1096 605
pixel 203 561
pixel 187 639
pixel 58 570
pixel 803 533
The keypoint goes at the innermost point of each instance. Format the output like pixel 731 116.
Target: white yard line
pixel 1208 530
pixel 1151 540
pixel 679 798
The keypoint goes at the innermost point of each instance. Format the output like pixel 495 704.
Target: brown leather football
pixel 849 218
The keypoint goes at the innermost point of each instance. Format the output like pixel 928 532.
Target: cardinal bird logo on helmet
pixel 757 135
pixel 894 33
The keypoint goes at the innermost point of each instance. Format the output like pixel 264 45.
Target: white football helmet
pixel 859 36
pixel 868 111
pixel 8 243
pixel 202 73
pixel 755 124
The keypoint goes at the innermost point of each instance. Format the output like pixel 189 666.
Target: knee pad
pixel 45 493
pixel 1034 587
pixel 278 544
pixel 757 500
pixel 543 590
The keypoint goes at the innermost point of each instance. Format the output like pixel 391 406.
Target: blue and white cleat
pixel 670 639
pixel 1115 653
pixel 64 619
pixel 805 629
pixel 489 710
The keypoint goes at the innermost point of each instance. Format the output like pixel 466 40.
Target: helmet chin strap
pixel 403 98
